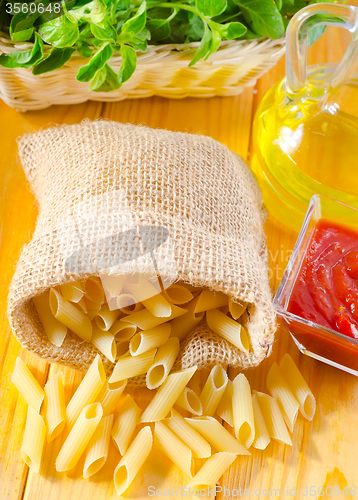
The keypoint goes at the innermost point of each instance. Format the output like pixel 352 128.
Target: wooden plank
pixel 17 221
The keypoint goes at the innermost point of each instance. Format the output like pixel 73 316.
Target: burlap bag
pixel 97 179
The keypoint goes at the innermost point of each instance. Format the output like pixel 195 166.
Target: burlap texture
pixel 97 179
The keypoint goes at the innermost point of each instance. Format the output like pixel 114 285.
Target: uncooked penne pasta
pixel 133 460
pixel 149 339
pixel 127 303
pixel 34 440
pixel 108 398
pixel 105 343
pixel 237 308
pixel 185 324
pixel 122 331
pixel 211 471
pixel 98 446
pixel 79 437
pixel 279 389
pixel 163 363
pixel 166 395
pixel 94 290
pixel 298 386
pixel 178 294
pixel 200 447
pixel 213 390
pixel 274 421
pixel 123 349
pixel 243 412
pixel 27 385
pixel 190 401
pixel 143 288
pixel 224 410
pixel 130 366
pixel 55 406
pixel 92 308
pixel 217 435
pixel 262 437
pixel 70 315
pixel 126 422
pixel 87 391
pixel 72 291
pixel 113 285
pixel 145 319
pixel 105 318
pixel 174 448
pixel 208 299
pixel 228 329
pixel 158 306
pixel 55 330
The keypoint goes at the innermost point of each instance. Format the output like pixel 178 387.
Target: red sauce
pixel 326 290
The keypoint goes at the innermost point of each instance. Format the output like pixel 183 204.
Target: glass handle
pixel 343 16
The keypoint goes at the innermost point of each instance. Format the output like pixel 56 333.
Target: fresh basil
pixel 96 29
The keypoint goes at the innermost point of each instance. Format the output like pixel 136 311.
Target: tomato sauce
pixel 326 289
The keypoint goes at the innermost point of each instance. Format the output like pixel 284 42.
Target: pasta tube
pixel 243 412
pixel 213 390
pixel 126 422
pixel 105 343
pixel 94 290
pixel 163 363
pixel 211 471
pixel 298 386
pixel 127 303
pixel 108 398
pixel 72 291
pixel 224 410
pixel 113 285
pixel 217 435
pixel 174 448
pixel 133 460
pixel 97 450
pixel 145 319
pixel 55 406
pixel 27 385
pixel 228 329
pixel 130 366
pixel 178 294
pixel 70 315
pixel 188 435
pixel 87 391
pixel 122 349
pixel 262 437
pixel 149 295
pixel 92 308
pixel 105 318
pixel 79 437
pixel 149 339
pixel 158 306
pixel 274 421
pixel 237 309
pixel 166 395
pixel 279 389
pixel 122 331
pixel 55 330
pixel 34 440
pixel 208 299
pixel 190 401
pixel 185 324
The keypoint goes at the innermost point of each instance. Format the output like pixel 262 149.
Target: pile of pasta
pixel 136 317
pixel 255 419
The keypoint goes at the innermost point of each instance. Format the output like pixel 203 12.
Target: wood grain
pixel 324 452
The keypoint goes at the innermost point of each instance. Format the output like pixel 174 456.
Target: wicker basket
pixel 162 70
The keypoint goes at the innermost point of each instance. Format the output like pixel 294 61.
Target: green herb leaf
pixel 84 50
pixel 86 73
pixel 104 31
pixel 98 11
pixel 204 46
pixel 263 17
pixel 211 8
pixel 105 80
pixel 159 29
pixel 129 63
pixel 20 35
pixel 23 59
pixel 55 60
pixel 59 32
pixel 136 23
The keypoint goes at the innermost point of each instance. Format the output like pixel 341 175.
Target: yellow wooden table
pixel 324 451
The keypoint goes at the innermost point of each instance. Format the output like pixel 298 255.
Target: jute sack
pixel 97 180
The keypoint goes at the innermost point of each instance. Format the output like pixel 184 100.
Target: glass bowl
pixel 315 340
